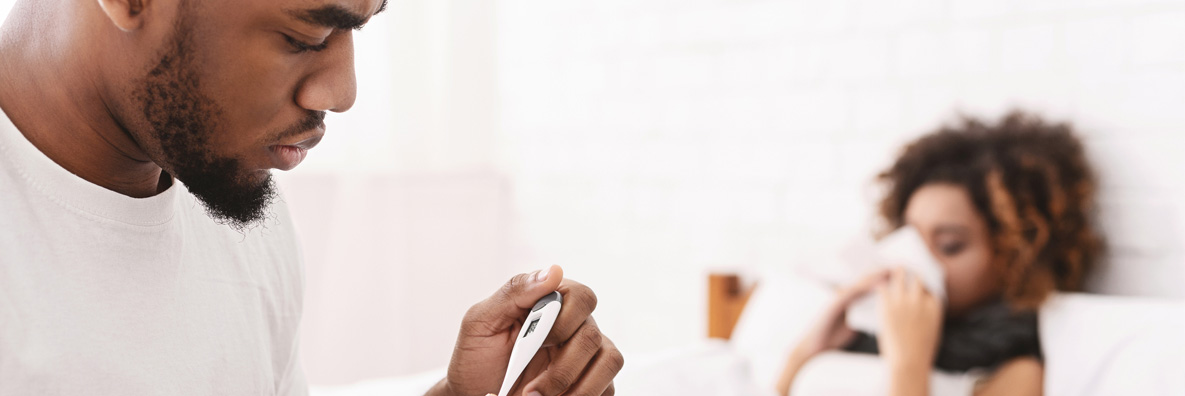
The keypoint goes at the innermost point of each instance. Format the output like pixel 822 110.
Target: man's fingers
pixel 598 377
pixel 514 300
pixel 579 304
pixel 571 360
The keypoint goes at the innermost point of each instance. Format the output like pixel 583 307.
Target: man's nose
pixel 332 85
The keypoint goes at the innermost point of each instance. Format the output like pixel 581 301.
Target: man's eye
pixel 302 47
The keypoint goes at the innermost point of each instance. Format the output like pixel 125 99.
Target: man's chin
pixel 257 176
pixel 241 202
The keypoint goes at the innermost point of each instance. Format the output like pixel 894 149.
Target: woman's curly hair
pixel 1032 183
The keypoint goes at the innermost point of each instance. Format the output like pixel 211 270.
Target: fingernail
pixel 542 274
pixel 534 393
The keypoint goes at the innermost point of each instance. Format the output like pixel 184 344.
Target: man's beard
pixel 182 121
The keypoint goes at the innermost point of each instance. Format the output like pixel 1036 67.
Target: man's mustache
pixel 312 120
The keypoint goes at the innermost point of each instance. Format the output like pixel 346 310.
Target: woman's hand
pixel 911 320
pixel 831 331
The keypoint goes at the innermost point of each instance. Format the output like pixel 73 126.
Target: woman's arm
pixel 793 365
pixel 1021 376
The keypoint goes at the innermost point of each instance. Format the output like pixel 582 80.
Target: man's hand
pixel 576 359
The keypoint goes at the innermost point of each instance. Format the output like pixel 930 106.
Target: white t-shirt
pixel 103 294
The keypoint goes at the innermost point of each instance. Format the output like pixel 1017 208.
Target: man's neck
pixel 58 104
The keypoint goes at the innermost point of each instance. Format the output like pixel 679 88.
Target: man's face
pixel 241 87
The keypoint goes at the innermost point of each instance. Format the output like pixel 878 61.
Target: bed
pixel 1093 345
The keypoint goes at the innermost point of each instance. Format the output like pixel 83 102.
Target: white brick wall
pixel 649 141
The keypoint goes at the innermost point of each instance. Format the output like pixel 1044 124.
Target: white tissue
pixel 903 248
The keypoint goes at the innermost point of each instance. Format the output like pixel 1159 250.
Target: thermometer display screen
pixel 531 328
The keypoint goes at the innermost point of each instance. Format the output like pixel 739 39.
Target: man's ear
pixel 127 15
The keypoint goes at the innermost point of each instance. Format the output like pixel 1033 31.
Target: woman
pixel 1005 209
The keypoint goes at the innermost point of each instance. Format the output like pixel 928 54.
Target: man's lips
pixel 288 156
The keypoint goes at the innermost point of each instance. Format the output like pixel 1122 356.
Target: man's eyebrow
pixel 334 16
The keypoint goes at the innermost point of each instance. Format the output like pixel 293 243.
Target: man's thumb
pixel 515 299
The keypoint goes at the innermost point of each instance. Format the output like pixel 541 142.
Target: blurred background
pixel 642 144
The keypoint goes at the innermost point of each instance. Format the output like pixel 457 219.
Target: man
pixel 115 279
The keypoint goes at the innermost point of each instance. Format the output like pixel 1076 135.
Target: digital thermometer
pixel 530 338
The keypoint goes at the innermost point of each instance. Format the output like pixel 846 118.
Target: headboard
pixel 727 297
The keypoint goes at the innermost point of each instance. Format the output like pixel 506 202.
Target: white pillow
pixel 711 368
pixel 780 311
pixel 1105 345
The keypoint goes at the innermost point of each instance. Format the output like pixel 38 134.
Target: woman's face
pixel 959 238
